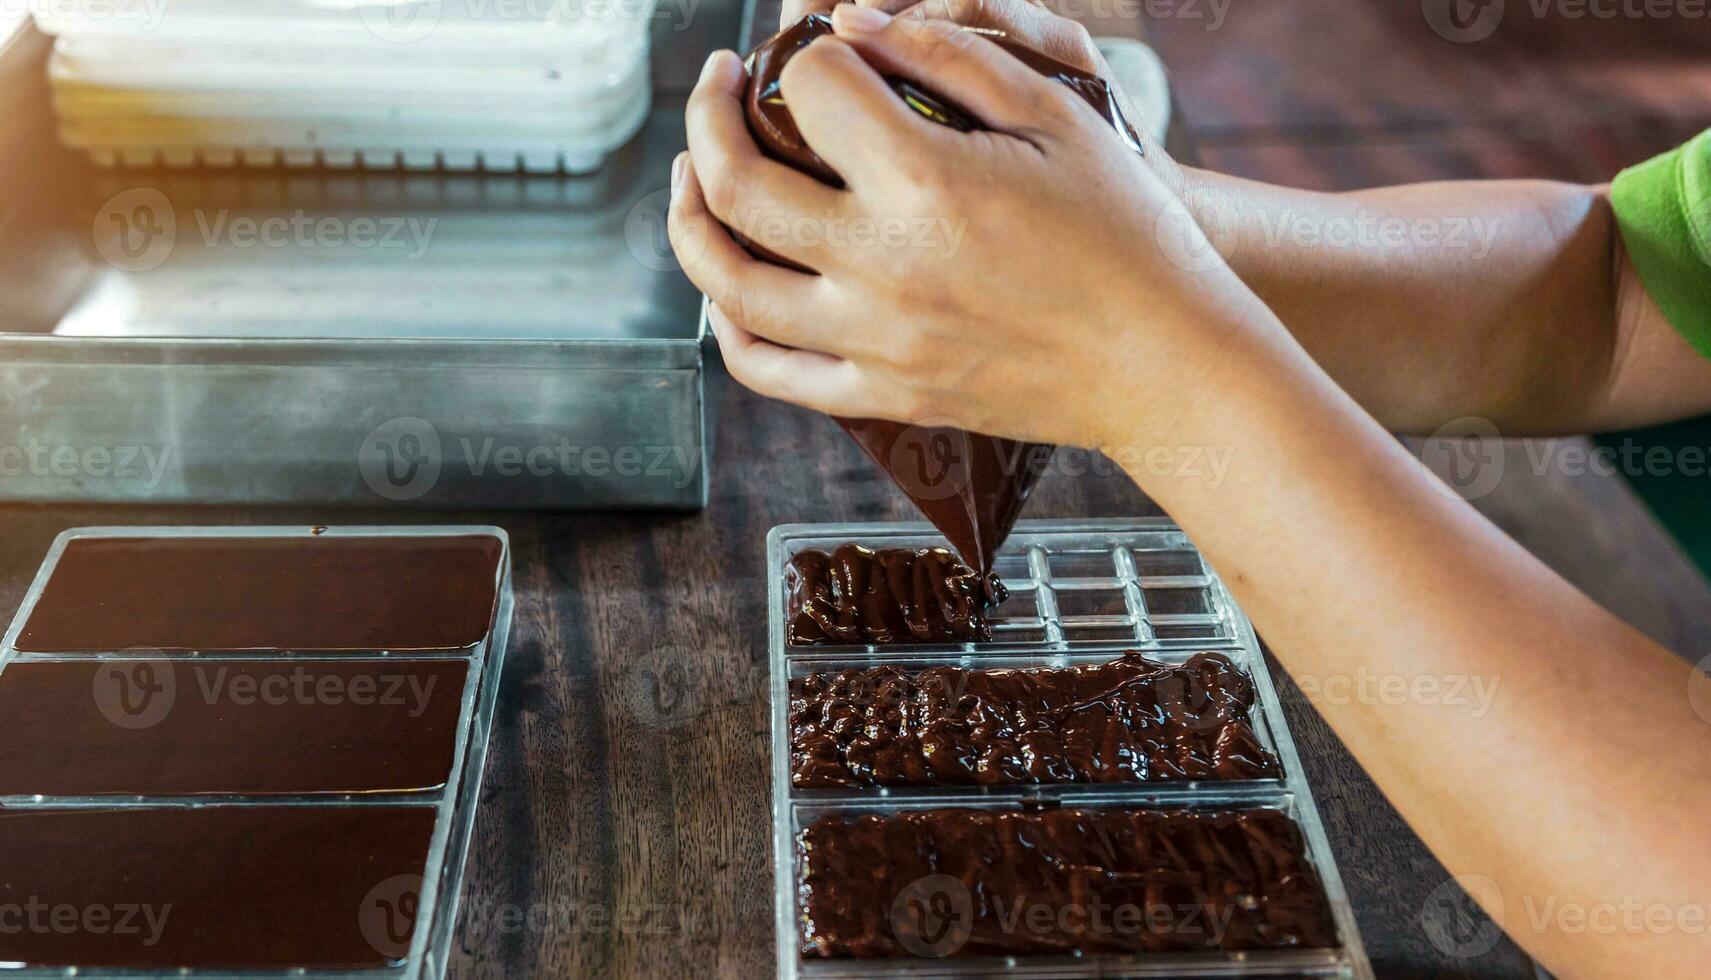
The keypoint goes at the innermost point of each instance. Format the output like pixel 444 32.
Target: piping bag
pixel 972 487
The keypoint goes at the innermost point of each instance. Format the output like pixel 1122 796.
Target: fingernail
pixel 711 68
pixel 677 170
pixel 850 18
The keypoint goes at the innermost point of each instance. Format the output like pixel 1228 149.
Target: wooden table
pixel 625 820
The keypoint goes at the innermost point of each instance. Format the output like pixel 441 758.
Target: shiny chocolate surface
pixel 272 593
pixel 223 887
pixel 201 727
pixel 856 595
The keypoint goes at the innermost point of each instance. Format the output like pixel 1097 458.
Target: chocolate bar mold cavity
pixel 1080 593
pixel 419 907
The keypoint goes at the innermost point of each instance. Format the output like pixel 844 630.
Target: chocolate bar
pixel 1127 720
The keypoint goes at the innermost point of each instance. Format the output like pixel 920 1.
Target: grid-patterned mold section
pixel 1079 592
pixel 1145 590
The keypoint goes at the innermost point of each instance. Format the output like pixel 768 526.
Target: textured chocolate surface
pixel 198 727
pixel 298 593
pixel 225 887
pixel 966 882
pixel 1128 720
pixel 856 595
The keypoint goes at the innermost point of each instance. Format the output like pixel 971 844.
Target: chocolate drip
pixel 1117 881
pixel 1128 720
pixel 972 487
pixel 895 595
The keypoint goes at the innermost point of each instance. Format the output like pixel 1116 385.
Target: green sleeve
pixel 1663 207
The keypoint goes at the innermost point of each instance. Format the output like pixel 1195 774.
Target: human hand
pixel 1006 281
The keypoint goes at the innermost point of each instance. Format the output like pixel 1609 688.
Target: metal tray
pixel 441 884
pixel 1081 591
pixel 293 336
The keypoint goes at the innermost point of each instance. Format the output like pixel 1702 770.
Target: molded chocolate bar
pixel 963 882
pixel 1128 720
pixel 972 487
pixel 272 593
pixel 201 727
pixel 218 888
pixel 856 595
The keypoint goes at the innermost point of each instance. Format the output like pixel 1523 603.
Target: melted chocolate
pixel 856 595
pixel 201 727
pixel 313 593
pixel 972 487
pixel 1112 881
pixel 223 887
pixel 1129 720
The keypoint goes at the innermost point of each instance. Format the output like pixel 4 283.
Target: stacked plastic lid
pixel 500 85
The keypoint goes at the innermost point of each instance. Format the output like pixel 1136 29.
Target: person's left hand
pixel 1008 281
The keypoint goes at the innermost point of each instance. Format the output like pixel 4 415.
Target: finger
pixel 758 197
pixel 849 115
pixel 811 379
pixel 1027 23
pixel 959 65
pixel 769 300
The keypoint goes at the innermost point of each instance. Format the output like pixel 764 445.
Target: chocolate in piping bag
pixel 972 487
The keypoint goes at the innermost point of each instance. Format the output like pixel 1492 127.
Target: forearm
pixel 1432 302
pixel 1535 723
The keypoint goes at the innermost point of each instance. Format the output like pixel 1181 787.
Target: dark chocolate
pixel 972 487
pixel 220 887
pixel 206 727
pixel 297 593
pixel 965 882
pixel 856 595
pixel 1128 720
pixel 775 130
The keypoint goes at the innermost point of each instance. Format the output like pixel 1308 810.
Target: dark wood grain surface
pixel 625 824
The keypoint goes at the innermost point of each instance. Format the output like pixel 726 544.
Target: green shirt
pixel 1663 207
